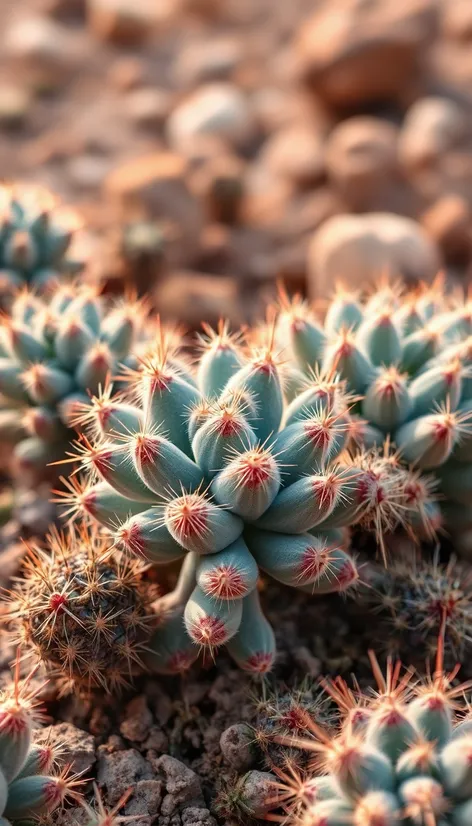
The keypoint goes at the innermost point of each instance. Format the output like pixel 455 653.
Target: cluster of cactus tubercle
pixel 29 786
pixel 83 611
pixel 35 238
pixel 54 354
pixel 401 756
pixel 213 465
pixel 408 357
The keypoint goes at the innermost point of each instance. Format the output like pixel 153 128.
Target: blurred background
pixel 212 147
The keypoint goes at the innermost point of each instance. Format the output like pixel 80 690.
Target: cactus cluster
pixel 401 756
pixel 412 597
pixel 82 610
pixel 213 465
pixel 29 785
pixel 53 355
pixel 35 238
pixel 407 356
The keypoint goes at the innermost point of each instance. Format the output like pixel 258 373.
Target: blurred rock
pixel 433 127
pixel 154 187
pixel 15 104
pixel 126 73
pixel 449 223
pixel 295 152
pixel 45 51
pixel 208 61
pixel 361 160
pixel 127 23
pixel 456 19
pixel 148 107
pixel 193 297
pixel 359 249
pixel 220 183
pixel 219 109
pixel 353 52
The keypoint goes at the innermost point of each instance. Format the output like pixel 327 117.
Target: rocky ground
pixel 206 143
pixel 210 147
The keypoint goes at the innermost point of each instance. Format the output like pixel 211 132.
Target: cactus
pixel 35 237
pixel 408 357
pixel 411 598
pixel 99 815
pixel 404 760
pixel 81 609
pixel 29 785
pixel 53 356
pixel 216 466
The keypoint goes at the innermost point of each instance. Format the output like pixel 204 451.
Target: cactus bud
pixel 230 574
pixel 199 525
pixel 253 647
pixel 211 622
pixel 248 484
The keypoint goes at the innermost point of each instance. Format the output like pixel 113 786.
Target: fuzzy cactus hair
pixel 223 472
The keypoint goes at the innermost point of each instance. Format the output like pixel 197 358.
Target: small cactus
pixel 29 785
pixel 398 756
pixel 81 609
pixel 35 238
pixel 408 357
pixel 218 467
pixel 53 356
pixel 411 599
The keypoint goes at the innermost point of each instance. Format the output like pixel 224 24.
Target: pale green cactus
pixel 408 357
pixel 399 756
pixel 29 785
pixel 53 355
pixel 35 239
pixel 215 466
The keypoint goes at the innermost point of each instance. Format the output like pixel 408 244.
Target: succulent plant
pixel 35 237
pixel 29 785
pixel 53 356
pixel 213 465
pixel 411 598
pixel 408 358
pixel 400 756
pixel 82 610
pixel 99 815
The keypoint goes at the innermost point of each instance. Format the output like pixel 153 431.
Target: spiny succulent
pixel 408 357
pixel 283 714
pixel 53 355
pixel 412 597
pixel 401 756
pixel 81 608
pixel 29 785
pixel 35 238
pixel 213 465
pixel 99 815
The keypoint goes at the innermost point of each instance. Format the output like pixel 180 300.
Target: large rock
pixel 358 249
pixel 155 187
pixel 433 127
pixel 361 159
pixel 353 52
pixel 219 109
pixel 127 23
